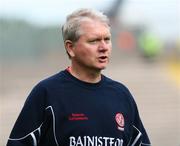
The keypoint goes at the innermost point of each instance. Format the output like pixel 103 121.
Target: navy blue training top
pixel 64 111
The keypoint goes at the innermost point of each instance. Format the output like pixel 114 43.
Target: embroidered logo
pixel 120 121
pixel 77 117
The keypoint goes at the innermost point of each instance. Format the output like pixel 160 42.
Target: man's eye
pixel 93 41
pixel 107 39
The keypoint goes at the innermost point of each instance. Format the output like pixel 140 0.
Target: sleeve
pixel 27 128
pixel 139 136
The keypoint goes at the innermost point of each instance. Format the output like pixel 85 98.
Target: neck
pixel 86 75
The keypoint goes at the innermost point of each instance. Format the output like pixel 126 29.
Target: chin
pixel 101 67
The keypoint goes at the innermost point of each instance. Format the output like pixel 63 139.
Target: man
pixel 79 106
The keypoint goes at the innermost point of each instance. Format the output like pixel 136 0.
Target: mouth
pixel 103 59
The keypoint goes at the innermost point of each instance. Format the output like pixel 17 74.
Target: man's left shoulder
pixel 116 84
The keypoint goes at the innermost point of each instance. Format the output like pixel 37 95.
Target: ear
pixel 69 47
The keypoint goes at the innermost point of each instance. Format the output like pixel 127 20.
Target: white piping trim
pixel 129 141
pixel 138 136
pixel 54 124
pixel 26 135
pixel 39 130
pixel 34 139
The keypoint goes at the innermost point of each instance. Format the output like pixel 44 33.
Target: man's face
pixel 93 48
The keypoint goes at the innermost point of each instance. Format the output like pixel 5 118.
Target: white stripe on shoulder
pixel 26 135
pixel 39 130
pixel 54 123
pixel 34 139
pixel 137 137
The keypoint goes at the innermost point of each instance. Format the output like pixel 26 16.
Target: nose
pixel 103 46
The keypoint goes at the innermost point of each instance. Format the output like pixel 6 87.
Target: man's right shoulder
pixel 52 80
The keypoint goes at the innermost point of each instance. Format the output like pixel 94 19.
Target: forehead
pixel 93 28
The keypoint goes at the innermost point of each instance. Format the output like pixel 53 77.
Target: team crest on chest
pixel 120 121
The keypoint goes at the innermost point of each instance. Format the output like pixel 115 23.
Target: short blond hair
pixel 71 30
